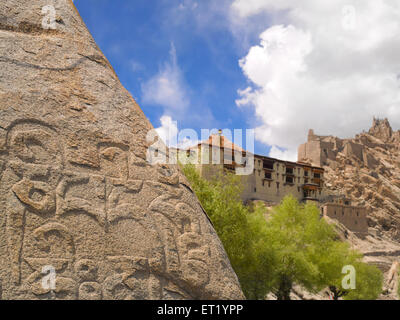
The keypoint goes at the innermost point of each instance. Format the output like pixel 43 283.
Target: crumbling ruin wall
pixel 353 218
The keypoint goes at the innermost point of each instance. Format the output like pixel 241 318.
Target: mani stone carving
pixel 77 197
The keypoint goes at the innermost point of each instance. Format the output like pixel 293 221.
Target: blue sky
pixel 138 36
pixel 281 67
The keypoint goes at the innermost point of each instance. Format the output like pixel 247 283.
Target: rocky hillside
pixel 367 170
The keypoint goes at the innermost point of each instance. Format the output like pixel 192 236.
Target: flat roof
pixel 226 144
pixel 301 164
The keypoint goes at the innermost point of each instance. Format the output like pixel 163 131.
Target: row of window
pixel 308 194
pixel 270 166
pixel 311 193
pixel 287 179
pixel 358 214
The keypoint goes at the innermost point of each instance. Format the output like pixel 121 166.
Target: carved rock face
pixel 76 194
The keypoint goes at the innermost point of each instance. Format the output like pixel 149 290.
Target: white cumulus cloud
pixel 167 88
pixel 172 137
pixel 277 153
pixel 330 66
pixel 168 130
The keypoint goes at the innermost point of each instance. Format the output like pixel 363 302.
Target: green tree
pixel 369 281
pixel 299 239
pixel 310 254
pixel 336 255
pixel 242 230
pixel 368 278
pixel 294 245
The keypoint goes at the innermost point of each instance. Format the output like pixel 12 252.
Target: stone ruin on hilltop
pixel 365 169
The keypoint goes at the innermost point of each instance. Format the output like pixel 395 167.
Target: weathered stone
pixel 381 129
pixel 365 169
pixel 76 193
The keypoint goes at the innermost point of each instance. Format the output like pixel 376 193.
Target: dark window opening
pixel 289 179
pixel 268 175
pixel 289 170
pixel 268 165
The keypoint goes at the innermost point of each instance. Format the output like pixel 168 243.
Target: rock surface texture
pixel 366 169
pixel 369 174
pixel 77 195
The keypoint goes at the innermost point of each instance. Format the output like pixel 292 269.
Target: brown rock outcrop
pixel 77 196
pixel 381 129
pixel 366 170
